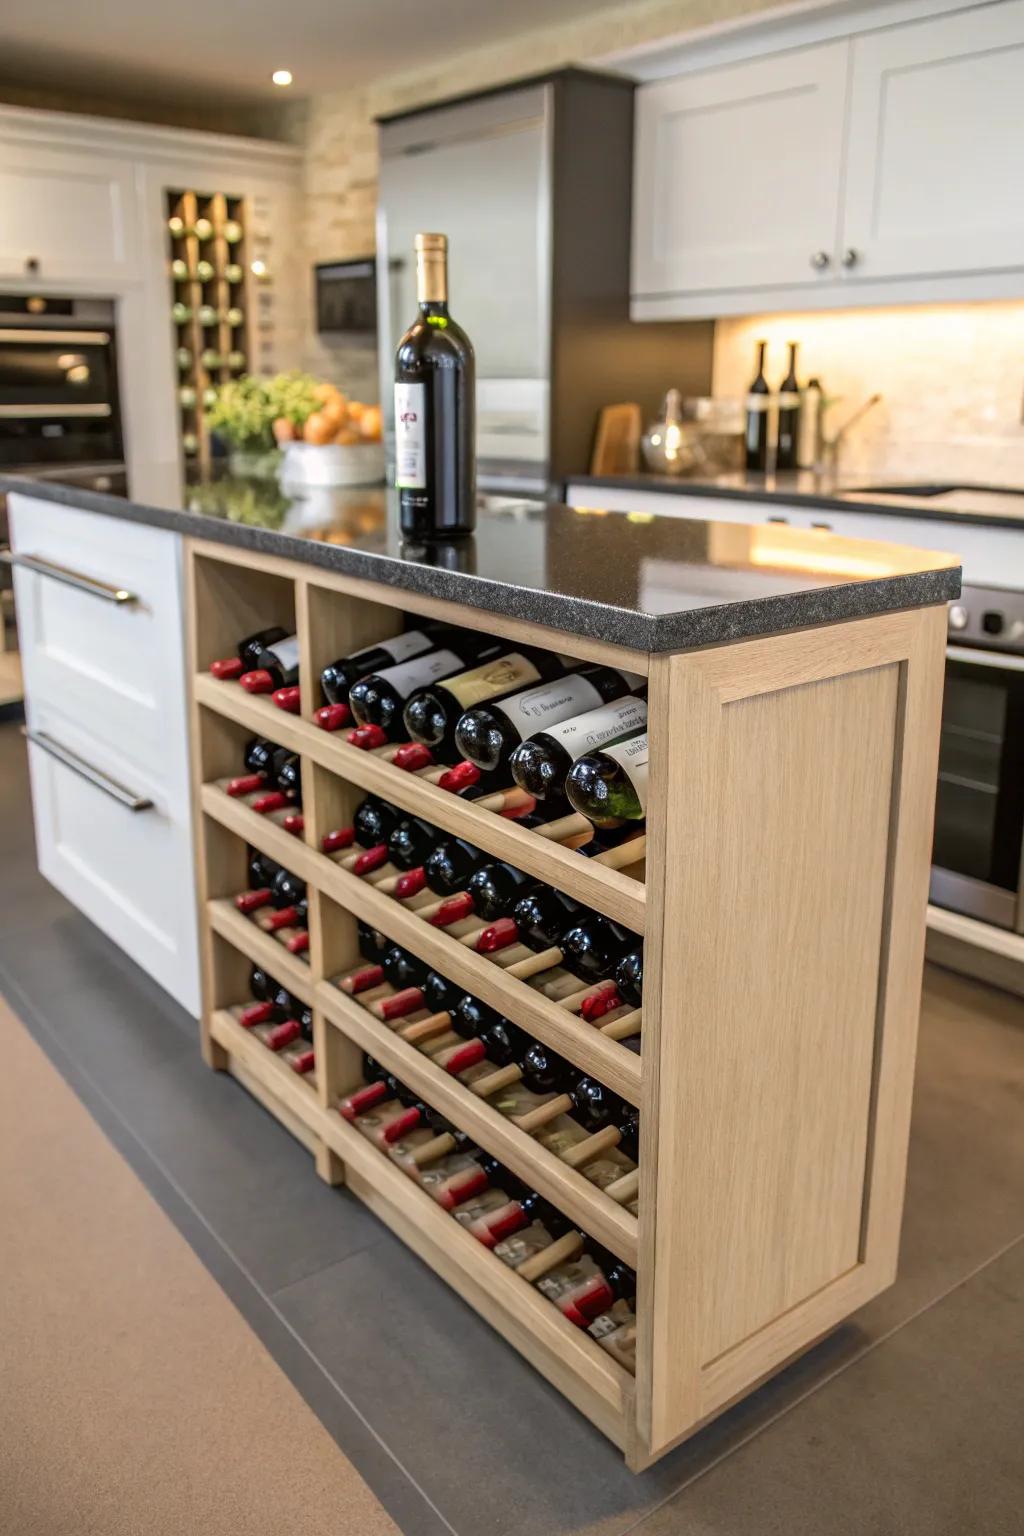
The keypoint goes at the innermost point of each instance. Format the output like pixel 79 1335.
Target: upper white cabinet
pixel 67 216
pixel 936 147
pixel 835 172
pixel 738 173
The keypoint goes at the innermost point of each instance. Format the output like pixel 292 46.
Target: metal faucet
pixel 830 446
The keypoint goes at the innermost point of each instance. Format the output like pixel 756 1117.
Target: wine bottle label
pixel 758 402
pixel 410 675
pixel 410 436
pixel 498 676
pixel 286 653
pixel 788 401
pixel 589 732
pixel 532 710
pixel 631 757
pixel 400 647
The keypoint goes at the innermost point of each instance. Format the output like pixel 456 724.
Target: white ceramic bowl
pixel 332 464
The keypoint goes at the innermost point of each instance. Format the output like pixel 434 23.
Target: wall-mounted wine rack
pixel 781 978
pixel 210 287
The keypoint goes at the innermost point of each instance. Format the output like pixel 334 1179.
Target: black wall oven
pixel 59 402
pixel 979 813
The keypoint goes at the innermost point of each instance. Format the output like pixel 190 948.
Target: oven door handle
pixel 87 771
pixel 40 567
pixel 999 660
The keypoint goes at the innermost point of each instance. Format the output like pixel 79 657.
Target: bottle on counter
pixel 610 786
pixel 541 764
pixel 488 734
pixel 788 428
pixel 435 709
pixel 758 413
pixel 435 409
pixel 380 698
pixel 809 443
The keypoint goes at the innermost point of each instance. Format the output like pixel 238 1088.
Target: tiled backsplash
pixel 951 379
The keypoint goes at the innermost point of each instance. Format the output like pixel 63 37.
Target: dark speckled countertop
pixel 639 580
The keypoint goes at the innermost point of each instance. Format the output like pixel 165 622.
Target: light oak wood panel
pixel 273 1105
pixel 261 949
pixel 599 1216
pixel 333 626
pixel 610 891
pixel 231 602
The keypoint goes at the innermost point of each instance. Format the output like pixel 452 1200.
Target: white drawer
pixel 130 871
pixel 116 669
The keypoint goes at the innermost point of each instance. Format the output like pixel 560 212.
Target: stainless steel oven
pixel 59 402
pixel 979 815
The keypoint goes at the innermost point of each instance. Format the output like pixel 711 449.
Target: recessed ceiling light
pixel 282 77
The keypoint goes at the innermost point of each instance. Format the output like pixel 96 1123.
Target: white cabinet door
pixel 737 174
pixel 936 146
pixel 66 216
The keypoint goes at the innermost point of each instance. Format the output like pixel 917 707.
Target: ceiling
pixel 195 48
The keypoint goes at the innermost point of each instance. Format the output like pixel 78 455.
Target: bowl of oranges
pixel 339 443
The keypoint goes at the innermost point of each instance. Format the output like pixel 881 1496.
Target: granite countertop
pixel 997 506
pixel 638 580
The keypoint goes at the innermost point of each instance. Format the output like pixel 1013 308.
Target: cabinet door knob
pixel 32 264
pixel 850 257
pixel 820 260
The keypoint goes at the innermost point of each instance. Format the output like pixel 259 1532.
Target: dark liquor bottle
pixel 435 409
pixel 489 733
pixel 758 403
pixel 435 709
pixel 541 764
pixel 249 651
pixel 380 698
pixel 275 666
pixel 610 786
pixel 788 439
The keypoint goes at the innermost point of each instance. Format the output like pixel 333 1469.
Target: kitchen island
pixel 794 683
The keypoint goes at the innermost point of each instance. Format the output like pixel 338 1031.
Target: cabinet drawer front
pixel 117 669
pixel 129 871
pixel 74 215
pixel 737 174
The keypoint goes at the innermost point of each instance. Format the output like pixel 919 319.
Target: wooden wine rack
pixel 782 905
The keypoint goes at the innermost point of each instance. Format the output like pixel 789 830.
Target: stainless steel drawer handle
pixel 94 776
pixel 88 584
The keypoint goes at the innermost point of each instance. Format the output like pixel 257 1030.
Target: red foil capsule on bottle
pixel 259 681
pixel 255 1013
pixel 463 776
pixel 284 917
pixel 404 1122
pixel 494 1226
pixel 460 1187
pixel 248 784
pixel 288 699
pixel 283 1034
pixel 364 1098
pixel 498 936
pixel 298 943
pixel 251 901
pixel 334 842
pixel 406 1001
pixel 367 736
pixel 413 755
pixel 372 859
pixel 453 910
pixel 302 1061
pixel 331 717
pixel 295 823
pixel 273 800
pixel 600 1003
pixel 227 669
pixel 410 884
pixel 518 811
pixel 361 981
pixel 464 1056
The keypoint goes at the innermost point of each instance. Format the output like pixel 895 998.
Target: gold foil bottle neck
pixel 432 269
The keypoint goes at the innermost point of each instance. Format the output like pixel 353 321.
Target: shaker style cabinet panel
pixel 737 174
pixel 936 146
pixel 66 216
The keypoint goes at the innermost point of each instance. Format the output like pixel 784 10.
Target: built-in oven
pixel 59 401
pixel 979 815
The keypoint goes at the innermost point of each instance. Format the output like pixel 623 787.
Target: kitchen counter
pixel 635 579
pixel 996 506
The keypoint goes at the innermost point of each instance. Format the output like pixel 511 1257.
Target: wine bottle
pixel 233 272
pixel 184 358
pixel 435 709
pixel 202 229
pixel 207 315
pixel 179 270
pixel 249 651
pixel 435 409
pixel 204 271
pixel 758 402
pixel 610 786
pixel 232 231
pixel 236 360
pixel 488 734
pixel 275 666
pixel 788 433
pixel 186 397
pixel 337 678
pixel 181 313
pixel 380 698
pixel 541 764
pixel 629 977
pixel 234 316
pixel 495 889
pixel 262 872
pixel 177 227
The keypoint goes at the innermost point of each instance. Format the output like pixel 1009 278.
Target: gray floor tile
pixel 922 1437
